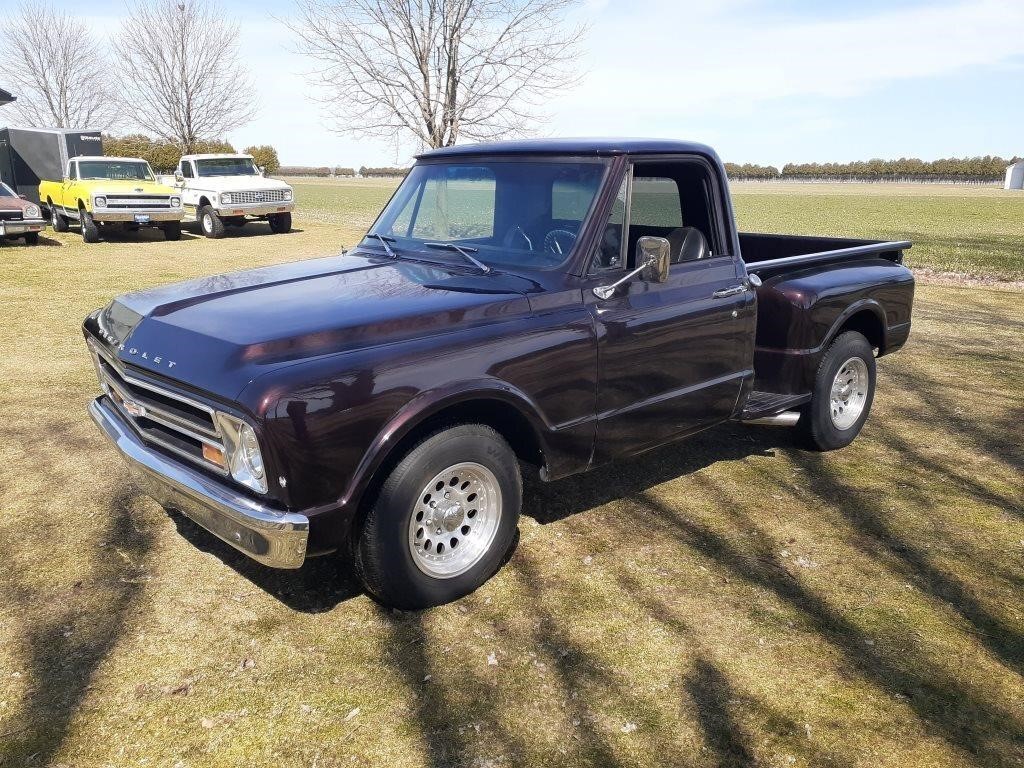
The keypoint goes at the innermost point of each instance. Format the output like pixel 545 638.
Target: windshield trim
pixel 606 161
pixel 6 191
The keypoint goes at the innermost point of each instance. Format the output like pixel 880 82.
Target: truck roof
pixel 109 157
pixel 215 156
pixel 579 146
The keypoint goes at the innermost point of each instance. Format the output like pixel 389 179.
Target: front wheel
pixel 211 224
pixel 844 388
pixel 90 230
pixel 443 521
pixel 280 223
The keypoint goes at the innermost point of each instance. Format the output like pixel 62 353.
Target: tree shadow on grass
pixel 64 648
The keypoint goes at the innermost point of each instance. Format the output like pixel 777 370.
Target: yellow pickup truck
pixel 110 194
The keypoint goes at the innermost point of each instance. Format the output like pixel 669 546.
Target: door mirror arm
pixel 653 255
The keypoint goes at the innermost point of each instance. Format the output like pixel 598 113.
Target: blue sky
pixel 763 81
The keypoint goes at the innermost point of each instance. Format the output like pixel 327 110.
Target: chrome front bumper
pixel 255 209
pixel 271 537
pixel 156 215
pixel 21 227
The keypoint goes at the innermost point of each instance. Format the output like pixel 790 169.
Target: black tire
pixel 210 223
pixel 384 557
pixel 90 232
pixel 818 421
pixel 32 238
pixel 280 223
pixel 58 220
pixel 172 231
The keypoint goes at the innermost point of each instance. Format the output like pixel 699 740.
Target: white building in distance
pixel 1015 176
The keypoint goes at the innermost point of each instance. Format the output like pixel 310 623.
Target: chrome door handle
pixel 731 291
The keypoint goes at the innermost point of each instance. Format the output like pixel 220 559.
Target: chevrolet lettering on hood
pixel 142 354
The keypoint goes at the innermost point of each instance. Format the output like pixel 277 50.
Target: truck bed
pixel 763 253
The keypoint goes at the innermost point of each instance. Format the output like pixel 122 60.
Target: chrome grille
pixel 131 202
pixel 160 416
pixel 249 198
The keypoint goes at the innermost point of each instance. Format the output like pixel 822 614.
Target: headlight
pixel 225 199
pixel 32 212
pixel 287 194
pixel 245 461
pixel 175 202
pixel 99 202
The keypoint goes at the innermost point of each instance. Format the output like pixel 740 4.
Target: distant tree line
pixel 387 172
pixel 164 155
pixel 975 169
pixel 319 172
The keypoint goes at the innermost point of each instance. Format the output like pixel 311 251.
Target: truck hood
pixel 127 187
pixel 216 334
pixel 236 183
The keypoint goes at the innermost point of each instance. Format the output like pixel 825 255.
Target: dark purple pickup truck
pixel 551 305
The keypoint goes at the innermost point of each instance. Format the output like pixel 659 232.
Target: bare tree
pixel 181 71
pixel 57 67
pixel 438 70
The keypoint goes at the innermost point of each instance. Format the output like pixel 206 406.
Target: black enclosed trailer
pixel 29 155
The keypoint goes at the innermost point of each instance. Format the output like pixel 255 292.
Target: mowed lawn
pixel 732 600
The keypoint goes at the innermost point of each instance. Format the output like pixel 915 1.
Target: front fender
pixel 431 403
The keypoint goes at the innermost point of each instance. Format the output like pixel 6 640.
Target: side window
pixel 72 170
pixel 186 170
pixel 609 253
pixel 673 200
pixel 656 204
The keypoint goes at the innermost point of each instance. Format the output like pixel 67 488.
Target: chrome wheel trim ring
pixel 207 222
pixel 849 393
pixel 454 520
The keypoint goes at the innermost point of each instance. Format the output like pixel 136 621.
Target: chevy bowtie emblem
pixel 139 189
pixel 134 409
pixel 259 195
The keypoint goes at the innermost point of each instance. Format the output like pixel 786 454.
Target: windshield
pixel 115 170
pixel 516 213
pixel 227 166
pixel 6 191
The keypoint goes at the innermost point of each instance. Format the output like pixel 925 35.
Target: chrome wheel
pixel 454 520
pixel 849 393
pixel 207 223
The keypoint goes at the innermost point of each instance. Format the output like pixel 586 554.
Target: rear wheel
pixel 844 388
pixel 210 222
pixel 32 238
pixel 443 520
pixel 90 231
pixel 280 223
pixel 57 220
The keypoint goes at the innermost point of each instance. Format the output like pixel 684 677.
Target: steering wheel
pixel 559 241
pixel 516 234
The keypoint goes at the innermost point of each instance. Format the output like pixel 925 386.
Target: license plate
pixel 141 218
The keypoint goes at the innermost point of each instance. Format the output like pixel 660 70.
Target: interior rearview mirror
pixel 655 254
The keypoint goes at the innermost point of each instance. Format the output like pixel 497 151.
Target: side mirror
pixel 178 177
pixel 655 253
pixel 263 170
pixel 653 256
pixel 23 197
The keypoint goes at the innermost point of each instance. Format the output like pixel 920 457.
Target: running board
pixel 763 407
pixel 784 419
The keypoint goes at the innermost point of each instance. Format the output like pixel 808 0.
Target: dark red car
pixel 19 217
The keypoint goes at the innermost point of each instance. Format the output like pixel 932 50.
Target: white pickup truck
pixel 220 191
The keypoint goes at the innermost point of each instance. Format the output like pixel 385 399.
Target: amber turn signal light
pixel 213 455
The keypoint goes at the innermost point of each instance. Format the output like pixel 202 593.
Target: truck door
pixel 672 356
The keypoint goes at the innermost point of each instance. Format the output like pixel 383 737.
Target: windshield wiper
pixel 384 240
pixel 463 250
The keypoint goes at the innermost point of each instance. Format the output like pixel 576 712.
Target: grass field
pixel 732 600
